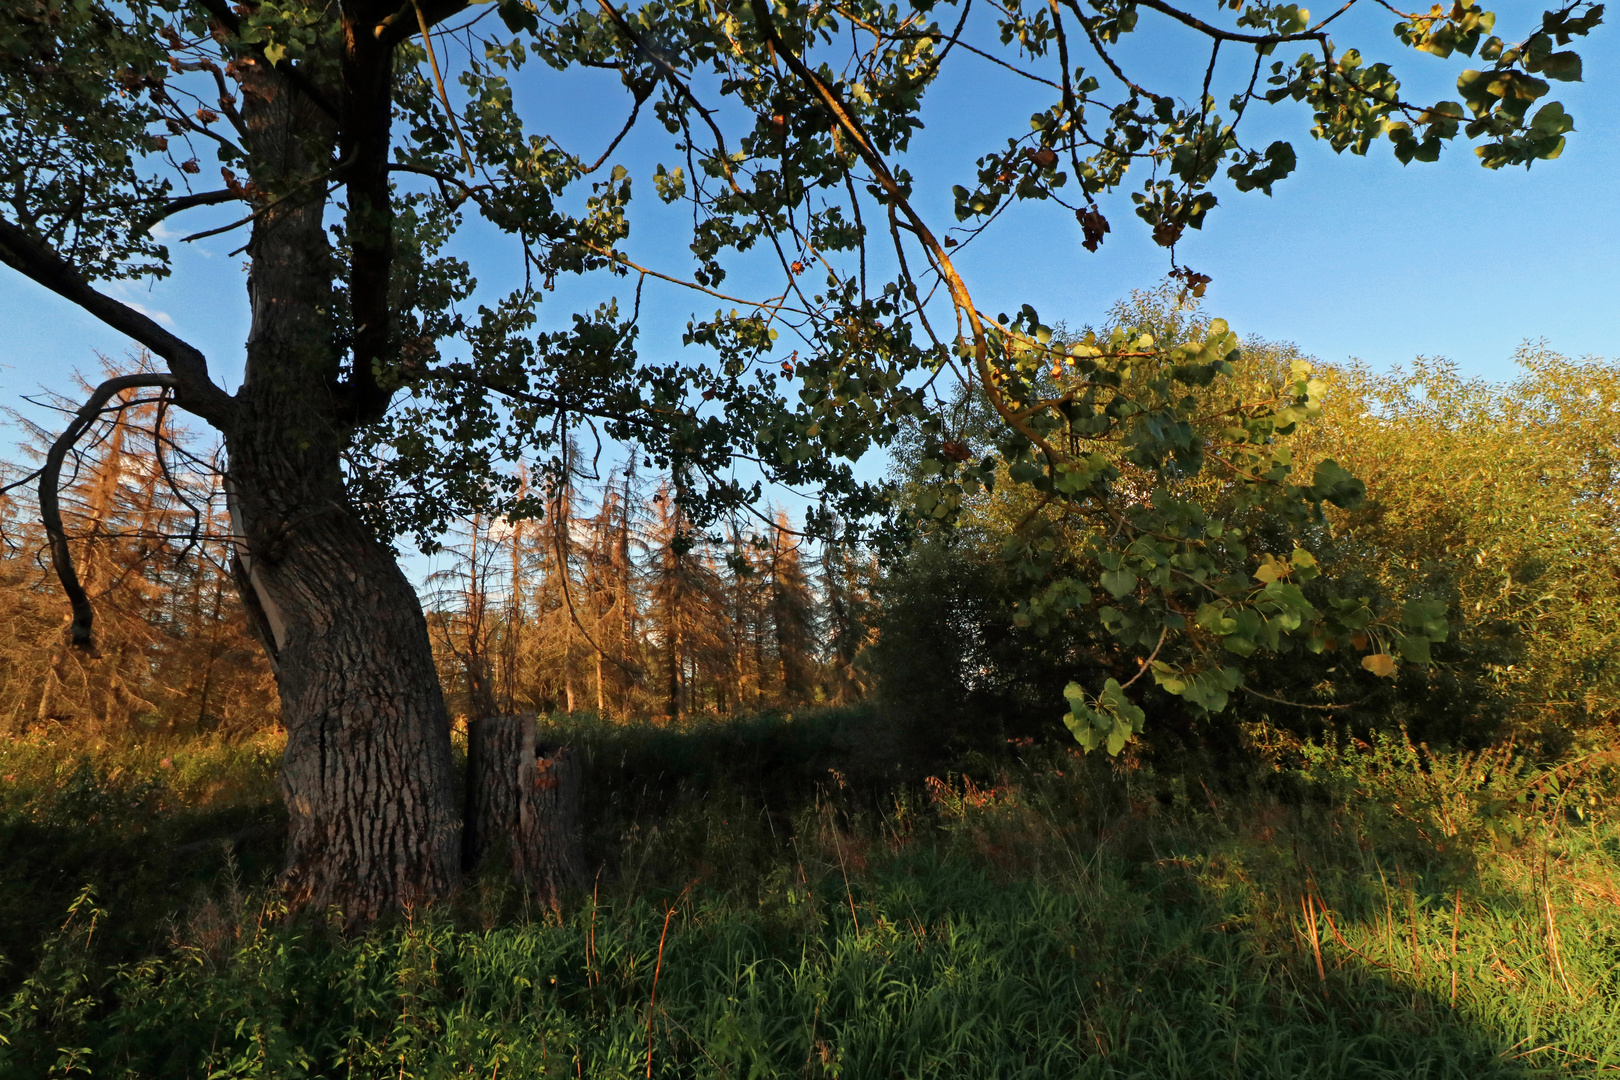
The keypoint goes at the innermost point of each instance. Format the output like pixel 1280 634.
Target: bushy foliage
pixel 1472 586
pixel 1503 497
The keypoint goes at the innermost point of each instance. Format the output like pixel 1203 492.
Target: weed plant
pixel 780 898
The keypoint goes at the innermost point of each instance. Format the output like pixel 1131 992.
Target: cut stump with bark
pixel 523 802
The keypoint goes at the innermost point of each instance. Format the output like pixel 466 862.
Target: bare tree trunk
pixel 523 806
pixel 601 701
pixel 568 664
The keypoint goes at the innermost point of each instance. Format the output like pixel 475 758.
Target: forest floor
pixel 779 897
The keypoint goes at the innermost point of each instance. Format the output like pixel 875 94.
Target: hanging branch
pixel 50 507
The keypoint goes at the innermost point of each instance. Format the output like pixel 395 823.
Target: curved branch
pixel 50 506
pixel 184 202
pixel 1164 632
pixel 194 390
pixel 961 298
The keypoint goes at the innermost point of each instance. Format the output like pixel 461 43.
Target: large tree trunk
pixel 523 802
pixel 366 774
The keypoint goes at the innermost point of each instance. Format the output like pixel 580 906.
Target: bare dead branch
pixel 50 507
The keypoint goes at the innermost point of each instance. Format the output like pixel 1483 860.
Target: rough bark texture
pixel 523 802
pixel 366 775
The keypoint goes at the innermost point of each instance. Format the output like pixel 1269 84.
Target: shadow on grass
pixel 784 898
pixel 144 864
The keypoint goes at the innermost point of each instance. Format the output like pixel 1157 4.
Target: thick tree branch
pixel 363 143
pixel 1228 35
pixel 50 506
pixel 194 390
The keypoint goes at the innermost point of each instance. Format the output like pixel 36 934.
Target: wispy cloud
pixel 122 292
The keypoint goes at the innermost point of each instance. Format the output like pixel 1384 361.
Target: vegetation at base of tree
pixel 766 907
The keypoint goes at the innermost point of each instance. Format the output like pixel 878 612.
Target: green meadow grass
pixel 761 911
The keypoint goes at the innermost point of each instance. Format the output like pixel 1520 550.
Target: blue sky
pixel 1352 257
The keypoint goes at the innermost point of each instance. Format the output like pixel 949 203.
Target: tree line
pixel 613 602
pixel 610 601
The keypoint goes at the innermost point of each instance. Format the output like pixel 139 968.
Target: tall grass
pixel 1362 912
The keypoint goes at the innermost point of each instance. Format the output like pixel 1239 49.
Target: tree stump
pixel 523 802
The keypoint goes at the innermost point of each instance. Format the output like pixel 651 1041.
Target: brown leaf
pixel 1045 157
pixel 1166 232
pixel 1380 664
pixel 1192 281
pixel 1094 225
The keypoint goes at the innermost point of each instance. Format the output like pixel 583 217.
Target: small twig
pixel 653 997
pixel 1298 704
pixel 272 204
pixel 658 967
pixel 1456 922
pixel 1337 936
pixel 1154 655
pixel 592 974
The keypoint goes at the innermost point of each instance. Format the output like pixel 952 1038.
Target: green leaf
pixel 1333 483
pixel 1551 120
pixel 1563 66
pixel 1414 647
pixel 1119 582
pixel 1271 569
pixel 517 17
pixel 1168 678
pixel 1239 644
pixel 1427 616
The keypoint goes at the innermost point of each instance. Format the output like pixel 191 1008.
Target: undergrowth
pixel 781 898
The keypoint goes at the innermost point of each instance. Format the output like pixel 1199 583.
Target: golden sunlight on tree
pixel 144 515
